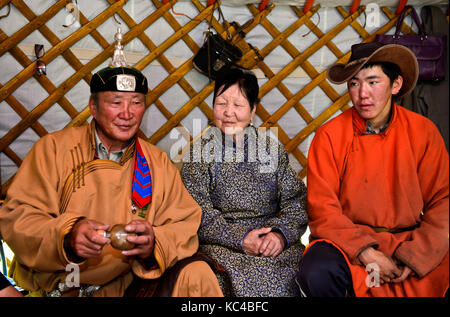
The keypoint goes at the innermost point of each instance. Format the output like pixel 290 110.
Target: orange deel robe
pixel 396 179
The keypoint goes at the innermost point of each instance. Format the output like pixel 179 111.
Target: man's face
pixel 118 116
pixel 371 94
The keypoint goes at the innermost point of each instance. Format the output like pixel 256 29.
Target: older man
pixel 377 188
pixel 78 182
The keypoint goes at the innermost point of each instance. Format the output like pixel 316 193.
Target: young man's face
pixel 371 94
pixel 118 116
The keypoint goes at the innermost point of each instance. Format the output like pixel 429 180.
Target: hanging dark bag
pixel 217 54
pixel 430 50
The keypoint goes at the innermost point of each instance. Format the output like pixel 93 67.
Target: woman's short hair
pixel 245 79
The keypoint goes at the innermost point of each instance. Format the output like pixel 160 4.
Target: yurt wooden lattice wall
pixel 154 35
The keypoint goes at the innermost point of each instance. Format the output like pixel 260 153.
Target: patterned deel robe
pixel 253 187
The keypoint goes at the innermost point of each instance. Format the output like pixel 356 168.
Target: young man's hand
pixel 388 269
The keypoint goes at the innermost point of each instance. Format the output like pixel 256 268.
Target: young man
pixel 78 182
pixel 377 188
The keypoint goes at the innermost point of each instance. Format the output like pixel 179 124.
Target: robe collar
pixel 360 125
pixel 128 154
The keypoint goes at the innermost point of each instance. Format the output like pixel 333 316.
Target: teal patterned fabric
pixel 255 188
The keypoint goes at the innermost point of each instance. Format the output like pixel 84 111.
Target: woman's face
pixel 232 112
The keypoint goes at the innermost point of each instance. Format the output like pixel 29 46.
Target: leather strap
pixel 415 18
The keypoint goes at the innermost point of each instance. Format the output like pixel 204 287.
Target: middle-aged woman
pixel 253 202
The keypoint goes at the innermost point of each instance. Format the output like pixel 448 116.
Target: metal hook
pixel 365 19
pixel 115 19
pixel 314 25
pixel 7 13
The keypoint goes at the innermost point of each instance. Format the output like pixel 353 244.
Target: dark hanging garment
pixel 431 98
